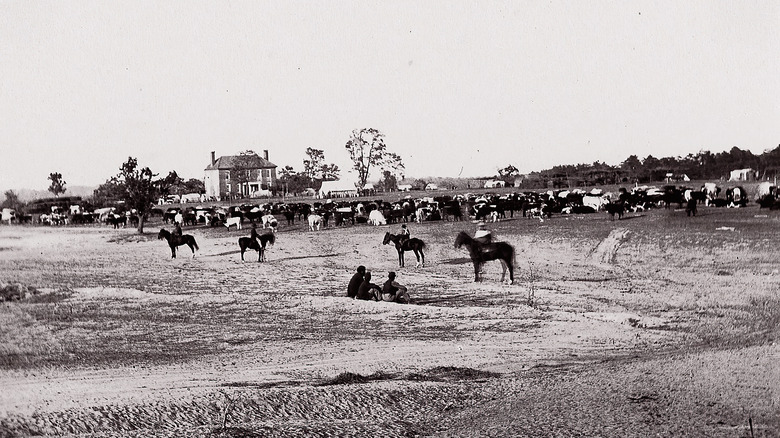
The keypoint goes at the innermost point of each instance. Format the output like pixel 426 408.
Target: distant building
pixel 238 176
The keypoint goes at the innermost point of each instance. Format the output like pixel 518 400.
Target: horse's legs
pixel 400 258
pixel 503 270
pixel 242 253
pixel 173 252
pixel 476 270
pixel 417 254
pixel 192 249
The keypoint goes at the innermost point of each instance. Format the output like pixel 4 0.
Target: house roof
pixel 228 162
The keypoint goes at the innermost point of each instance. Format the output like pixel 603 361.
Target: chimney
pixel 213 158
pixel 265 154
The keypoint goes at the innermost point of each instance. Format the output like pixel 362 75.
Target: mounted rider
pixel 483 235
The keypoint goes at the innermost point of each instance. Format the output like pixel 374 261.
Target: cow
pixel 736 197
pixel 233 221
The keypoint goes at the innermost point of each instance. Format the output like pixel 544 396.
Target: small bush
pixel 16 291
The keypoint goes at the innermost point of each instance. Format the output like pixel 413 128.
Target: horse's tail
pixel 195 244
pixel 422 244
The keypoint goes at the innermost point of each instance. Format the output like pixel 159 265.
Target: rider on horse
pixel 482 235
pixel 405 235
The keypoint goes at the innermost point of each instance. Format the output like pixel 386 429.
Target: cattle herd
pixel 485 207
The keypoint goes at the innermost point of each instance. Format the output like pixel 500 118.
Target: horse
pixel 256 244
pixel 413 244
pixel 174 241
pixel 315 221
pixel 481 253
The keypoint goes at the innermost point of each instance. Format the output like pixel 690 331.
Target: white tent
pixel 742 175
pixel 340 188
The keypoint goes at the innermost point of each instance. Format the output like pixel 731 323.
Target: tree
pixel 367 149
pixel 140 189
pixel 108 193
pixel 171 183
pixel 193 185
pixel 330 172
pixel 508 174
pixel 293 181
pixel 57 186
pixel 12 201
pixel 389 182
pixel 313 165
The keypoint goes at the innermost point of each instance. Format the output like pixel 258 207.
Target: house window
pixel 266 173
pixel 227 176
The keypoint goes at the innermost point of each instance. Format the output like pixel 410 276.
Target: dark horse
pixel 413 244
pixel 174 241
pixel 256 244
pixel 485 252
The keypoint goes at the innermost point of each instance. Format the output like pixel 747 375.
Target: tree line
pixel 698 166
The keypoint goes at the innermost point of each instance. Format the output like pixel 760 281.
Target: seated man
pixel 355 281
pixel 392 291
pixel 368 290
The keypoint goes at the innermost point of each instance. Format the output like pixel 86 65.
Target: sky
pixel 459 88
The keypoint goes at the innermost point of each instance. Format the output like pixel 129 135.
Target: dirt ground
pixel 653 325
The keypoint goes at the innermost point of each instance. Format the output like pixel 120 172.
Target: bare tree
pixel 367 149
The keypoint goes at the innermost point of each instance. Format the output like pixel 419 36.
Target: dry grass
pixel 670 331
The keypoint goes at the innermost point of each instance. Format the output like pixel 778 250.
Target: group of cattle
pixel 485 207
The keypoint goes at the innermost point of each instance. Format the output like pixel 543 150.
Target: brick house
pixel 234 176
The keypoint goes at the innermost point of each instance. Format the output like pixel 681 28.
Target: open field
pixel 654 325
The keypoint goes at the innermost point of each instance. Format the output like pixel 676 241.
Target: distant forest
pixel 700 166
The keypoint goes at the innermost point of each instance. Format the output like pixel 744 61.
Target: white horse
pixel 315 220
pixel 233 221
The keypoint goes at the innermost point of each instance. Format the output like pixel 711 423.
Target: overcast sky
pixel 458 88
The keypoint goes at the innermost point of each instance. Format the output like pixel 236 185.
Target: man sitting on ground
pixel 368 290
pixel 392 291
pixel 355 281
